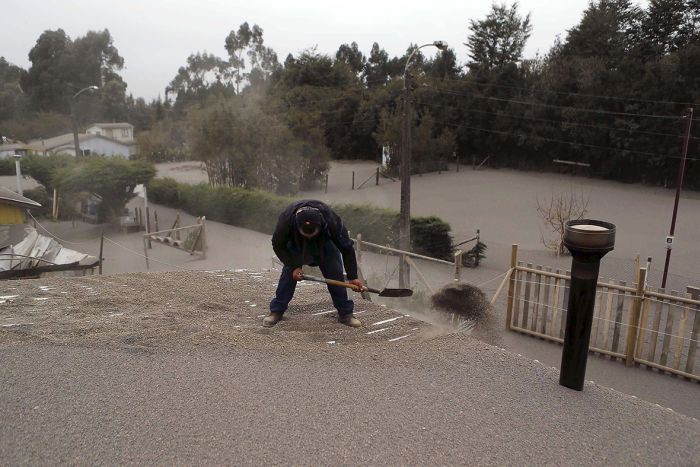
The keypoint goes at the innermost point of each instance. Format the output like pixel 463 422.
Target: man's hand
pixel 297 274
pixel 358 285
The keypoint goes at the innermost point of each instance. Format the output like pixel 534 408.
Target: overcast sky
pixel 155 37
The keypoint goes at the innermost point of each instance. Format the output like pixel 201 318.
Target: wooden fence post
pixel 204 238
pixel 155 216
pixel 145 251
pixel 458 265
pixel 54 204
pixel 177 224
pixel 148 226
pixel 633 318
pixel 693 344
pixel 511 286
pixel 377 177
pixel 353 179
pixel 102 243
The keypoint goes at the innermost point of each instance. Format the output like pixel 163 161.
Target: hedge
pixel 7 166
pixel 258 210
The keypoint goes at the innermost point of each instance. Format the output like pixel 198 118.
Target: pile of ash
pixel 465 300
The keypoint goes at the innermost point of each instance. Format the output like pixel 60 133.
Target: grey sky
pixel 155 37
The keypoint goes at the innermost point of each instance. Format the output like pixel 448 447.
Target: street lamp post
pixel 18 173
pixel 76 142
pixel 405 171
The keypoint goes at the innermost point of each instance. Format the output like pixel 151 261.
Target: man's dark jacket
pixel 332 229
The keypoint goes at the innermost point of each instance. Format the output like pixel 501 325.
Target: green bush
pixel 66 208
pixel 258 210
pixel 431 234
pixel 39 195
pixel 7 166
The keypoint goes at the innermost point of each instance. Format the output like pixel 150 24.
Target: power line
pixel 550 91
pixel 553 106
pixel 571 143
pixel 562 122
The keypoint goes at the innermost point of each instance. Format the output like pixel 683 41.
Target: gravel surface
pixel 175 368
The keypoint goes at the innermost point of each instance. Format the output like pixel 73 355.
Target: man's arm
pixel 342 240
pixel 280 238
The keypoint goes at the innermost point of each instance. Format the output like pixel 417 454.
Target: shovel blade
pixel 396 293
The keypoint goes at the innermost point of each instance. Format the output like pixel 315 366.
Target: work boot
pixel 349 320
pixel 272 319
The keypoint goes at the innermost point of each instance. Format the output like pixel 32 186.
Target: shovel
pixel 382 293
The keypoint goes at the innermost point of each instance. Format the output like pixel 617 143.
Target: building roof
pixel 67 139
pixel 13 146
pixel 8 196
pixel 112 125
pixel 19 147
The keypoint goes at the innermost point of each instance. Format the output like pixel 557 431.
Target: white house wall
pixel 97 146
pixel 114 133
pixel 103 146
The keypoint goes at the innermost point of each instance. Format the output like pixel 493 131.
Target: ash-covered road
pixel 174 368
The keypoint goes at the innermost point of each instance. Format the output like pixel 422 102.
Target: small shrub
pixel 7 166
pixel 259 210
pixel 40 195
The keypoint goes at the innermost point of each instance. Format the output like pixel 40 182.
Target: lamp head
pixel 442 45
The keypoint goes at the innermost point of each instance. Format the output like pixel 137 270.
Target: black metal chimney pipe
pixel 588 241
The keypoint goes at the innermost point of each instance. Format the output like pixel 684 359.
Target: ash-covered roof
pixel 8 196
pixel 112 125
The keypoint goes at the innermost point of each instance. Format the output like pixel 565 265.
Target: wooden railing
pixel 630 322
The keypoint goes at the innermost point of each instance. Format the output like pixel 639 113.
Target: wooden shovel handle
pixel 338 283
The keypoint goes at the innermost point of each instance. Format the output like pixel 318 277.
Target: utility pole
pixel 76 140
pixel 679 184
pixel 405 170
pixel 405 175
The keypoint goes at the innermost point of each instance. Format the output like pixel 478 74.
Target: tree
pixel 194 81
pixel 376 71
pixel 352 56
pixel 671 25
pixel 112 179
pixel 249 41
pixel 242 146
pixel 165 141
pixel 12 99
pixel 43 169
pixel 312 68
pixel 443 66
pixel 607 33
pixel 499 39
pixel 61 67
pixel 555 213
pixel 46 80
pixel 431 149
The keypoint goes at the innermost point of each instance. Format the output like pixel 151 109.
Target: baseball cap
pixel 309 221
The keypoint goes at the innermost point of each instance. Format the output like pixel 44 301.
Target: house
pixel 24 252
pixel 12 207
pixel 123 132
pixel 89 144
pixel 12 216
pixel 8 150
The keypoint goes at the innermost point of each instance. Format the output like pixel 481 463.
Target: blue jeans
pixel 331 265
